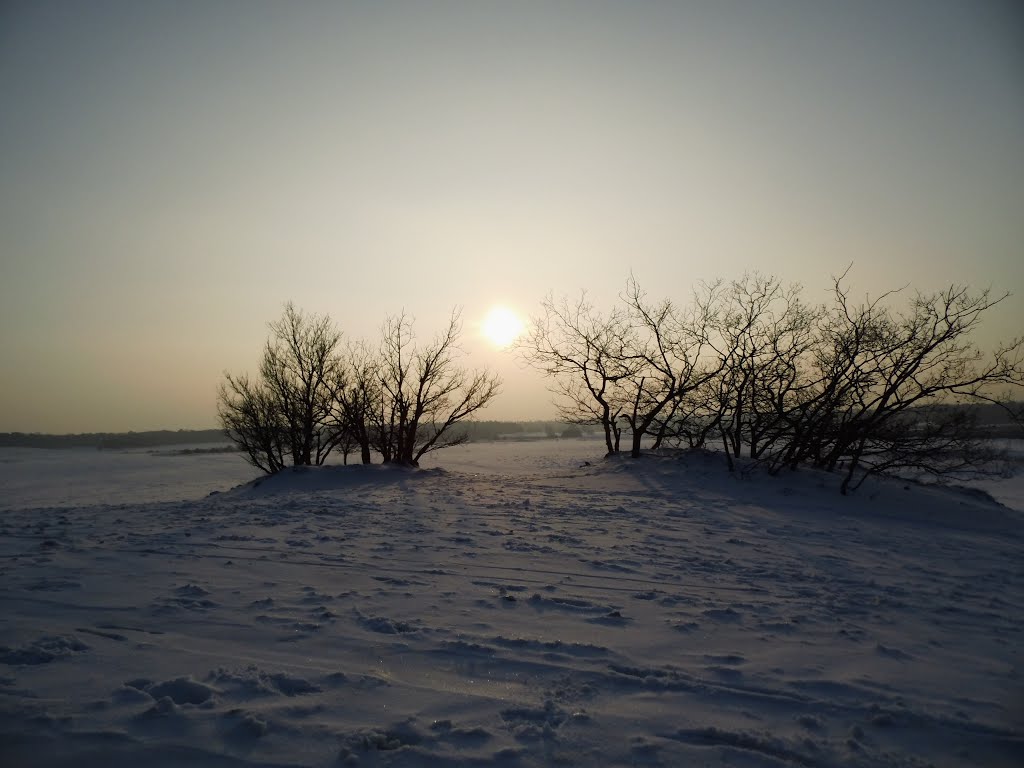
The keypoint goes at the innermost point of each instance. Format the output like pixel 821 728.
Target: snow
pixel 36 477
pixel 510 604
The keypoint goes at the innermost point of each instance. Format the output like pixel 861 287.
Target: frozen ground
pixel 514 606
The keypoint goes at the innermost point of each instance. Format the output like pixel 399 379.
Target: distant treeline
pixel 102 440
pixel 993 419
pixel 476 430
pixel 996 421
pixel 521 430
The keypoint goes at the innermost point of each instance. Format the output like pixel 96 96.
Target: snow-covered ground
pixel 510 604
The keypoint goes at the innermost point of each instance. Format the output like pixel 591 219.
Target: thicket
pixel 862 388
pixel 315 395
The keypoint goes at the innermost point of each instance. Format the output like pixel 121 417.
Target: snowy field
pixel 511 604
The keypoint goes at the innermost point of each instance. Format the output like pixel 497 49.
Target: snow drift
pixel 529 604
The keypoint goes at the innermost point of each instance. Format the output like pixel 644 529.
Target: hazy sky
pixel 172 172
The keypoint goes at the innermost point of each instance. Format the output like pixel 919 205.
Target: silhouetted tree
pixel 873 368
pixel 867 389
pixel 289 410
pixel 586 354
pixel 671 356
pixel 423 392
pixel 763 330
pixel 632 365
pixel 357 391
pixel 251 418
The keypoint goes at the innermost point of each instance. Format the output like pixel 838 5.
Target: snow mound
pixel 328 478
pixel 809 491
pixel 531 605
pixel 42 651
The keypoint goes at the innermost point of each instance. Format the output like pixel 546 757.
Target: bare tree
pixel 763 330
pixel 670 356
pixel 838 386
pixel 356 389
pixel 914 358
pixel 423 392
pixel 289 410
pixel 691 419
pixel 586 354
pixel 633 365
pixel 864 389
pixel 251 417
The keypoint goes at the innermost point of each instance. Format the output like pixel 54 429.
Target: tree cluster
pixel 865 388
pixel 315 394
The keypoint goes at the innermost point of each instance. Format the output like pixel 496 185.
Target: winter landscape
pixel 507 604
pixel 511 384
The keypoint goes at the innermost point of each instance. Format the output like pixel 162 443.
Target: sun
pixel 502 326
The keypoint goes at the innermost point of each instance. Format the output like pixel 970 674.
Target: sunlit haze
pixel 174 172
pixel 502 326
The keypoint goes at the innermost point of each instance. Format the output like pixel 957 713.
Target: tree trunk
pixel 854 462
pixel 608 424
pixel 728 455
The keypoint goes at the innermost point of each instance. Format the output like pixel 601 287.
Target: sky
pixel 171 173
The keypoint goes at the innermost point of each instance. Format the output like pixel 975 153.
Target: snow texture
pixel 514 604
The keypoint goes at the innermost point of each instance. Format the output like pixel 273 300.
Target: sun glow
pixel 502 326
